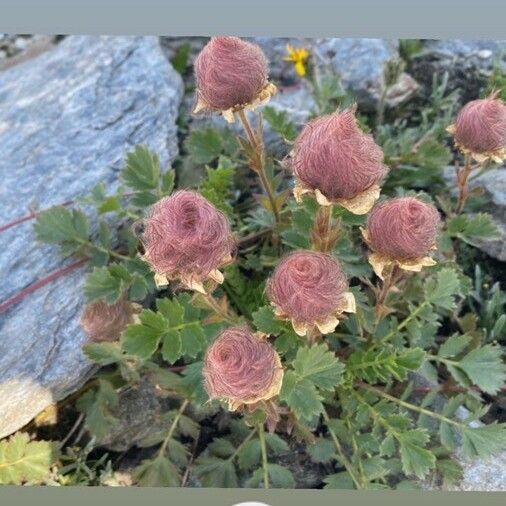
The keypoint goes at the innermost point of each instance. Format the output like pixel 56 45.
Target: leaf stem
pixel 344 460
pixel 410 406
pixel 265 464
pixel 244 441
pixel 258 162
pixel 173 427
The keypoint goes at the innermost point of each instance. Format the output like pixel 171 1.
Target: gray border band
pixel 308 18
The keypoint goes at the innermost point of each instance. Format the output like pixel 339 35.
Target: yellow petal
pixel 299 327
pixel 193 284
pixel 365 234
pixel 321 199
pixel 378 263
pixel 299 190
pixel 451 129
pixel 300 69
pixel 347 303
pixel 417 264
pixel 217 276
pixel 363 202
pixel 199 106
pixel 327 326
pixel 160 280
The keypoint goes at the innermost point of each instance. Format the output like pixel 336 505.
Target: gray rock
pixel 484 474
pixel 68 118
pixel 493 183
pixel 360 64
pixel 467 62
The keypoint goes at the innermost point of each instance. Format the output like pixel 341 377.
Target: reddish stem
pixel 18 297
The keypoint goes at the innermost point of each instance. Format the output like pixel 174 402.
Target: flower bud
pixel 402 231
pixel 187 238
pixel 310 289
pixel 104 322
pixel 241 368
pixel 231 74
pixel 338 162
pixel 480 129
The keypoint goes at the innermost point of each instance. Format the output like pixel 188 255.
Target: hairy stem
pixel 462 177
pixel 245 440
pixel 214 305
pixel 173 428
pixel 344 460
pixel 265 465
pixel 258 162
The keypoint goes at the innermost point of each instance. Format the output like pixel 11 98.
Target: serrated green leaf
pixel 340 480
pixel 483 441
pixel 280 477
pixel 159 472
pixel 322 451
pixel 301 396
pixel 469 227
pixel 441 290
pixel 249 455
pixel 204 145
pixel 171 346
pixel 265 321
pixel 280 123
pixel 454 345
pixel 142 171
pixel 275 443
pixel 24 461
pixel 485 368
pixel 180 60
pixel 215 472
pixel 318 365
pixel 102 284
pixel 221 447
pixel 416 459
pixel 193 340
pixel 103 353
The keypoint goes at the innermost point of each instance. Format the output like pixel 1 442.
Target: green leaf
pixel 280 122
pixel 171 346
pixel 485 368
pixel 103 353
pixel 97 406
pixel 218 184
pixel 318 365
pixel 215 472
pixel 322 451
pixel 159 472
pixel 24 461
pixel 265 321
pixel 340 480
pixel 143 339
pixel 280 477
pixel 275 443
pixel 59 225
pixel 416 459
pixel 301 396
pixel 102 283
pixel 431 154
pixel 454 345
pixel 142 171
pixel 180 60
pixel 470 227
pixel 204 145
pixel 193 340
pixel 250 454
pixel 221 447
pixel 483 441
pixel 168 181
pixel 441 290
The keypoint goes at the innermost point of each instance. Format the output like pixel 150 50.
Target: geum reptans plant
pixel 260 310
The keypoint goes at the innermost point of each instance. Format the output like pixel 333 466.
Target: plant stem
pixel 404 322
pixel 173 428
pixel 410 406
pixel 322 229
pixel 265 464
pixel 258 162
pixel 389 282
pixel 238 449
pixel 215 306
pixel 462 176
pixel 344 460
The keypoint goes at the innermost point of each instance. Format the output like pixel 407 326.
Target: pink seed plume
pixel 334 156
pixel 307 285
pixel 230 72
pixel 481 125
pixel 240 367
pixel 104 322
pixel 185 234
pixel 403 228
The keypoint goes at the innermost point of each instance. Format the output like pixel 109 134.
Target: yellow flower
pixel 298 57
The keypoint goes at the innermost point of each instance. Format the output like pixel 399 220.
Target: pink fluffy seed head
pixel 334 156
pixel 103 322
pixel 185 234
pixel 307 285
pixel 240 367
pixel 230 72
pixel 403 228
pixel 481 125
